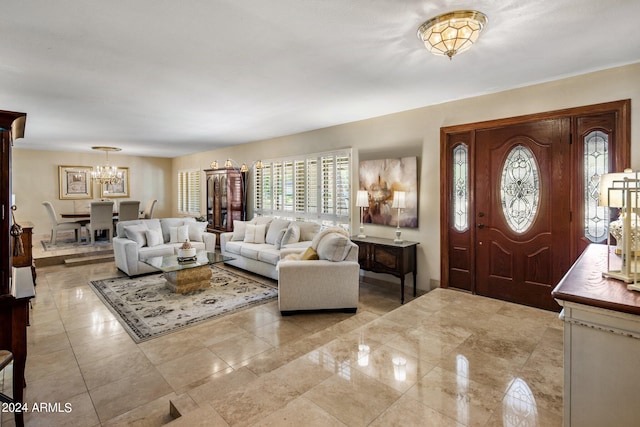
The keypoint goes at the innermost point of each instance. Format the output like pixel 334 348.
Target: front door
pixel 522 210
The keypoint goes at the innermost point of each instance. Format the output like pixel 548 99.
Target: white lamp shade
pixel 399 200
pixel 362 199
pixel 614 187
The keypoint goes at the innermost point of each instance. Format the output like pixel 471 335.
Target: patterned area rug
pixel 147 309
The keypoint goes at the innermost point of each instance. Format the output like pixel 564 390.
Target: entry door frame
pixel 621 160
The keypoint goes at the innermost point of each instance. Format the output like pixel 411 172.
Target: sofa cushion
pixel 160 250
pixel 196 229
pixel 167 223
pixel 274 229
pixel 179 234
pixel 252 250
pixel 269 255
pixel 307 229
pixel 278 242
pixel 292 234
pixel 233 247
pixel 239 228
pixel 154 237
pixel 334 247
pixel 137 234
pixel 255 233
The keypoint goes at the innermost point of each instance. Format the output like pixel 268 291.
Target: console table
pixel 601 344
pixel 384 256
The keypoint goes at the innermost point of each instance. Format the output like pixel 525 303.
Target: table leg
pixel 402 290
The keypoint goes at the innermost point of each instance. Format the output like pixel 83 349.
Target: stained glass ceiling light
pixel 453 32
pixel 106 174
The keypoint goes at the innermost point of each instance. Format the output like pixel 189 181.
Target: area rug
pixel 147 309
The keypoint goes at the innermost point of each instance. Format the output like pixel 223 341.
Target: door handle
pixel 481 226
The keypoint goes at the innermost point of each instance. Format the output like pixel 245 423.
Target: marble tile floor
pixel 444 358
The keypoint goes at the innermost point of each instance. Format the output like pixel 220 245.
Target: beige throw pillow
pixel 334 247
pixel 239 228
pixel 255 233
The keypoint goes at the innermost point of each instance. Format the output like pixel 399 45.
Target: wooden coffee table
pixel 183 277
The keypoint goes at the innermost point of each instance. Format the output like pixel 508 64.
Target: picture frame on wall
pixel 75 182
pixel 120 189
pixel 381 178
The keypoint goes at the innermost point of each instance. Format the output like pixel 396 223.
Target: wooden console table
pixel 384 256
pixel 601 344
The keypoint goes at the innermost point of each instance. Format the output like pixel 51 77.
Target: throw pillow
pixel 278 242
pixel 274 228
pixel 310 255
pixel 334 247
pixel 136 233
pixel 239 228
pixel 179 234
pixel 292 235
pixel 195 231
pixel 255 233
pixel 154 237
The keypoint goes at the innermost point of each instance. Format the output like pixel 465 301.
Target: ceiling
pixel 166 78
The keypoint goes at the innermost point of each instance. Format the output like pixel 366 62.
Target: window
pixel 313 187
pixel 189 192
pixel 596 163
pixel 460 194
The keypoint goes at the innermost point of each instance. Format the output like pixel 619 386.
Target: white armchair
pixel 331 282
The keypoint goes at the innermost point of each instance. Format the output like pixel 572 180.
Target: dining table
pixel 83 218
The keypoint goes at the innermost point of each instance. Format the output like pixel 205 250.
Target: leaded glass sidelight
pixel 460 196
pixel 520 189
pixel 596 163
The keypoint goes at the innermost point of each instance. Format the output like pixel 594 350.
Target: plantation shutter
pixel 189 192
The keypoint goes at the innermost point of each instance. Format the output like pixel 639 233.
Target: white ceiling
pixel 166 77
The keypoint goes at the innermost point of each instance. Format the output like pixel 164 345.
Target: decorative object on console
pixel 398 203
pixel 380 178
pixel 362 201
pixel 622 190
pixel 74 182
pixel 452 33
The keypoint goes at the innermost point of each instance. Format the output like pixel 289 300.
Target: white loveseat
pixel 255 245
pixel 145 238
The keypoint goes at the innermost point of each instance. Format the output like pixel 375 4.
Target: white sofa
pixel 145 238
pixel 329 280
pixel 259 251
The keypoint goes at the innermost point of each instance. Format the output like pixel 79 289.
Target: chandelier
pixel 452 32
pixel 106 174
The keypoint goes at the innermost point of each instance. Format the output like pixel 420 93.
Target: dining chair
pixel 148 210
pixel 128 209
pixel 60 225
pixel 101 219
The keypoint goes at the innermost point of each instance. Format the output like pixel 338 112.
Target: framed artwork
pixel 121 189
pixel 75 182
pixel 381 178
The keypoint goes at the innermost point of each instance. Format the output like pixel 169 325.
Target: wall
pixel 417 132
pixel 35 180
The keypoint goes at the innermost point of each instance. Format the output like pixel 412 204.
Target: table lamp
pixel 362 201
pixel 398 203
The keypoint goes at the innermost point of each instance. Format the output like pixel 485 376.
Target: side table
pixel 384 256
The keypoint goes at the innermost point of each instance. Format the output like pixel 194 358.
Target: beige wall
pixel 417 132
pixel 35 179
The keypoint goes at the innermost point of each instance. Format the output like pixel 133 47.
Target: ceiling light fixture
pixel 106 174
pixel 452 32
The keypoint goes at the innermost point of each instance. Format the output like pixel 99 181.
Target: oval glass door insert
pixel 520 189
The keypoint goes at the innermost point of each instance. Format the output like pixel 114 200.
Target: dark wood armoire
pixel 14 312
pixel 225 199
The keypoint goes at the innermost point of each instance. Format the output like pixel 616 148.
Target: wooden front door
pixel 519 250
pixel 522 210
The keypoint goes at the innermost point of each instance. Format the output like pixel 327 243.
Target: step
pixel 72 262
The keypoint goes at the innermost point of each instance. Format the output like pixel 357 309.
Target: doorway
pixel 517 208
